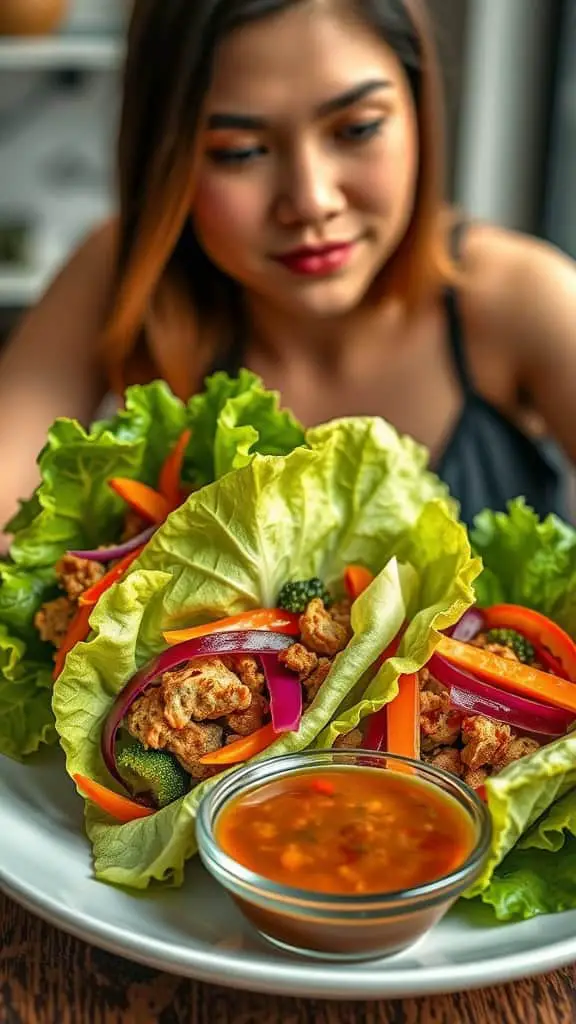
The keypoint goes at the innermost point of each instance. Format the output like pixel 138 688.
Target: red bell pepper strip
pixel 356 580
pixel 169 480
pixel 119 807
pixel 143 499
pixel 242 749
pixel 544 635
pixel 375 738
pixel 275 620
pixel 509 675
pixel 78 630
pixel 90 597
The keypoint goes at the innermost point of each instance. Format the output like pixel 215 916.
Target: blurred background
pixel 510 78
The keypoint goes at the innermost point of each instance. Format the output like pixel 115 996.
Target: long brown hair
pixel 169 296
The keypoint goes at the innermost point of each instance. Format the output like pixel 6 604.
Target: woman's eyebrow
pixel 249 122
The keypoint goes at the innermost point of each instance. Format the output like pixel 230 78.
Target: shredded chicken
pixel 53 619
pixel 475 777
pixel 203 689
pixel 246 722
pixel 429 684
pixel 439 723
pixel 484 741
pixel 502 650
pixel 298 659
pixel 75 575
pixel 145 720
pixel 249 670
pixel 340 612
pixel 317 679
pixel 320 632
pixel 191 743
pixel 520 746
pixel 449 759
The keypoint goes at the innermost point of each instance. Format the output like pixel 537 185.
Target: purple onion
pixel 119 551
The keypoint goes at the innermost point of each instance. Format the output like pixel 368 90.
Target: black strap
pixel 454 317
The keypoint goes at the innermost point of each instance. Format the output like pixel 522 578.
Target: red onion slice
pixel 119 551
pixel 250 641
pixel 468 627
pixel 285 692
pixel 475 697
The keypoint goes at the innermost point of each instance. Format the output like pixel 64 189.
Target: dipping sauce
pixel 347 831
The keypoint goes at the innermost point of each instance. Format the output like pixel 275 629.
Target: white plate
pixel 196 931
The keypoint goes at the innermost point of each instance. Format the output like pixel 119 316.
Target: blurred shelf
pixel 81 51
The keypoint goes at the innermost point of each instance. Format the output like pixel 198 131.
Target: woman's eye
pixel 236 156
pixel 362 130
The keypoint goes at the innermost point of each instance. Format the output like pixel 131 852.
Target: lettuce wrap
pixel 533 800
pixel 357 494
pixel 75 508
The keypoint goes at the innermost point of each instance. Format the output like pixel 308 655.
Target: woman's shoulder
pixel 514 283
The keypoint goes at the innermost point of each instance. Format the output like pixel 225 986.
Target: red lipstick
pixel 316 261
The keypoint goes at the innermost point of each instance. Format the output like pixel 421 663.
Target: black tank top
pixel 488 460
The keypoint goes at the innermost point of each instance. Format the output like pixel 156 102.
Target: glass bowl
pixel 338 927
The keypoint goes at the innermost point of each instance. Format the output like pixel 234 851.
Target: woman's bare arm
pixel 50 366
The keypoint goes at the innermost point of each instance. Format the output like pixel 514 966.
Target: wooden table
pixel 48 978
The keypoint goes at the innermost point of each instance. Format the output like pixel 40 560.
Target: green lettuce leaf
pixel 527 561
pixel 74 507
pixel 234 418
pixel 532 563
pixel 355 495
pixel 26 719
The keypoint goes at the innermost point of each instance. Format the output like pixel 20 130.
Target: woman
pixel 281 208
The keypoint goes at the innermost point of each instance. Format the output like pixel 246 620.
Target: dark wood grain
pixel 46 977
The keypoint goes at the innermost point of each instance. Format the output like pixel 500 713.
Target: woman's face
pixel 309 160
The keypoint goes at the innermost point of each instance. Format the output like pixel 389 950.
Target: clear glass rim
pixel 254 885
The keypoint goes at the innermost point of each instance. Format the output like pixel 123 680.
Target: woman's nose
pixel 309 192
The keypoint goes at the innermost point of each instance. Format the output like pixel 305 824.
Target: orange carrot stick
pixel 403 719
pixel 78 630
pixel 242 749
pixel 91 596
pixel 169 481
pixel 273 619
pixel 119 807
pixel 356 580
pixel 143 499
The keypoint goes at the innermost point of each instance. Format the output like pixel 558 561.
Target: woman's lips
pixel 317 261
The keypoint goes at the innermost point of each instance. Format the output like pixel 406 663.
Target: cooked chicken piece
pixel 53 618
pixel 429 684
pixel 317 679
pixel 340 612
pixel 449 760
pixel 246 722
pixel 202 689
pixel 75 575
pixel 191 743
pixel 439 723
pixel 475 777
pixel 145 720
pixel 320 632
pixel 502 650
pixel 520 746
pixel 351 739
pixel 484 741
pixel 298 659
pixel 249 670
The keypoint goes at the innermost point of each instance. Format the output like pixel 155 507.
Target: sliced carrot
pixel 274 620
pixel 119 807
pixel 78 630
pixel 403 719
pixel 91 596
pixel 169 481
pixel 509 675
pixel 143 499
pixel 243 748
pixel 356 580
pixel 536 628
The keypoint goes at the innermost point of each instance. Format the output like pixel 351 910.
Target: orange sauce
pixel 347 831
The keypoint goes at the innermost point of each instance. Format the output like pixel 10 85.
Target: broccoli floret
pixel 294 597
pixel 522 647
pixel 154 772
